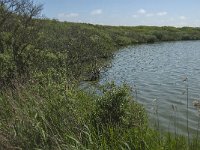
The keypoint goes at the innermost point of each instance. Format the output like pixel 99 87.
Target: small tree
pixel 18 21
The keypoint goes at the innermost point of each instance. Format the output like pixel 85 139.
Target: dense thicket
pixel 29 47
pixel 85 45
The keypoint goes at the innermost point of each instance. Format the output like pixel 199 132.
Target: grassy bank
pixel 52 116
pixel 41 107
pixel 55 116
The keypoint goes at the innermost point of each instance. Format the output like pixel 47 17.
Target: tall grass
pixel 60 116
pixel 188 133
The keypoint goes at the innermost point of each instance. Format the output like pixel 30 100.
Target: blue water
pixel 160 75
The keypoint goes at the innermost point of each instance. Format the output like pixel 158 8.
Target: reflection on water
pixel 157 73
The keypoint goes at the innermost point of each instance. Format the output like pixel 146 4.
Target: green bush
pixel 117 108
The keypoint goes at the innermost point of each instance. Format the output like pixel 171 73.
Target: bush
pixel 117 108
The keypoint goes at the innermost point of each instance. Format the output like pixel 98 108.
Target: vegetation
pixel 86 45
pixel 41 106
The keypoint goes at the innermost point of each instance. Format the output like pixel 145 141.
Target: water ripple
pixel 158 72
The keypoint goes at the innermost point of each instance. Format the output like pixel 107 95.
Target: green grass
pixel 53 116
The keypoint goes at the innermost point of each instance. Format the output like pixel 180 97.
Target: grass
pixel 51 116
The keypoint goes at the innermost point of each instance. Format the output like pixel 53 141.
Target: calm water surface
pixel 157 74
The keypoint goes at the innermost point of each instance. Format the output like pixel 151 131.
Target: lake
pixel 162 76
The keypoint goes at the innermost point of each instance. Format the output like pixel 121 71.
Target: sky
pixel 125 12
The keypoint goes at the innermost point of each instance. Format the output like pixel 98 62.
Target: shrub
pixel 117 108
